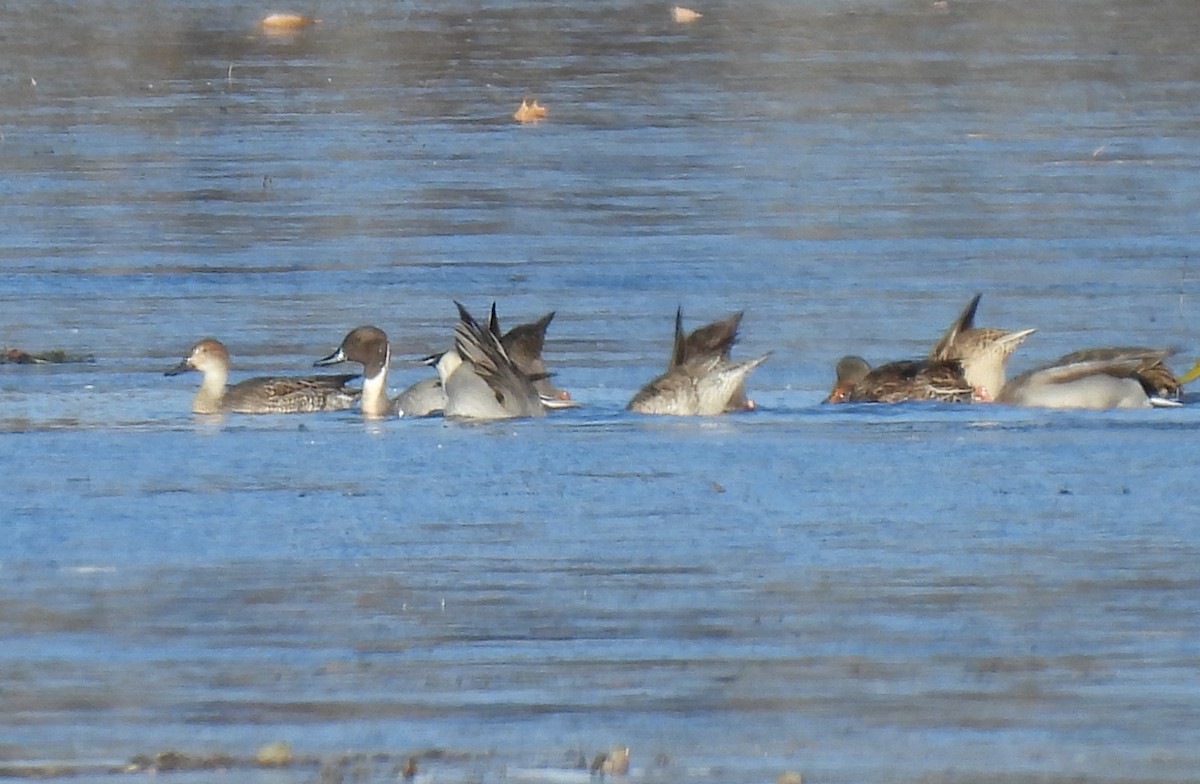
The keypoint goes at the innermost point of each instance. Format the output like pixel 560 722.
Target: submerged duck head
pixel 984 355
pixel 850 371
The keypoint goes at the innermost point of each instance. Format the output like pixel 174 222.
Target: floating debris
pixel 179 760
pixel 614 762
pixel 16 356
pixel 286 22
pixel 275 755
pixel 683 15
pixel 529 111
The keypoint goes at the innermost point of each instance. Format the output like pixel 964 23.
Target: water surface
pixel 918 593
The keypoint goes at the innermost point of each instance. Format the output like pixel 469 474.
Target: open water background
pixel 911 593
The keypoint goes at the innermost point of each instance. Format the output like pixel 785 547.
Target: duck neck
pixel 986 375
pixel 375 401
pixel 211 393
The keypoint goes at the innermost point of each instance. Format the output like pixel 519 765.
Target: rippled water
pixel 914 593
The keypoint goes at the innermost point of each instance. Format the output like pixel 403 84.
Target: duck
pixel 900 381
pixel 701 379
pixel 424 398
pixel 524 344
pixel 1157 379
pixel 700 388
pixel 263 395
pixel 1092 379
pixel 714 339
pixel 480 379
pixel 983 352
pixel 367 345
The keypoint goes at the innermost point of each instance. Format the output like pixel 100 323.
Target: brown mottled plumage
pixel 711 340
pixel 896 382
pixel 983 351
pixel 267 395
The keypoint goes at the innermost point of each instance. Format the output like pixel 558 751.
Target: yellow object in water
pixel 529 111
pixel 281 23
pixel 1191 374
pixel 683 15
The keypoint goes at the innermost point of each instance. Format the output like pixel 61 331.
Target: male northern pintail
pixel 701 379
pixel 369 347
pixel 1156 378
pixel 425 397
pixel 266 395
pixel 524 344
pixel 480 379
pixel 895 382
pixel 1092 378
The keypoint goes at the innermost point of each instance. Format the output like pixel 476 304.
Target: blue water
pixel 856 594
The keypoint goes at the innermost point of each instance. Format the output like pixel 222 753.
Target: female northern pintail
pixel 711 340
pixel 369 347
pixel 701 379
pixel 895 382
pixel 480 379
pixel 525 344
pixel 1093 378
pixel 266 395
pixel 964 363
pixel 982 351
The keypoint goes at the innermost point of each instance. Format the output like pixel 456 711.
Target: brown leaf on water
pixel 529 111
pixel 683 15
pixel 286 22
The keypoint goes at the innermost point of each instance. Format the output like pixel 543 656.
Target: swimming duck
pixel 711 340
pixel 524 344
pixel 700 380
pixel 700 388
pixel 982 351
pixel 1157 379
pixel 369 347
pixel 265 395
pixel 425 397
pixel 1092 378
pixel 896 382
pixel 481 381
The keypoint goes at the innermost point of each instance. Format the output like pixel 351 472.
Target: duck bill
pixel 838 395
pixel 332 359
pixel 182 367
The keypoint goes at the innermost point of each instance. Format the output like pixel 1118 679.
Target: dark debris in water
pixel 331 769
pixel 17 356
